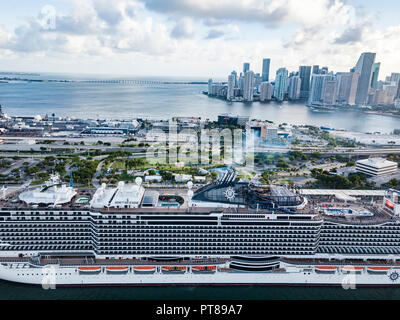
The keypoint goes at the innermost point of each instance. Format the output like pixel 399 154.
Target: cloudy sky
pixel 207 38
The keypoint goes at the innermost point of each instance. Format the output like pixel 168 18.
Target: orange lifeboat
pixel 117 269
pixel 204 268
pixel 378 269
pixel 89 269
pixel 144 269
pixel 173 269
pixel 326 268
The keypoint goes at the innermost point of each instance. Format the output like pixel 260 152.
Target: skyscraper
pixel 210 83
pixel 241 83
pixel 265 70
pixel 294 87
pixel 347 87
pixel 395 77
pixel 231 87
pixel 281 84
pixel 398 90
pixel 364 68
pixel 246 67
pixel 266 91
pixel 329 95
pixel 375 75
pixel 305 76
pixel 315 69
pixel 317 91
pixel 257 80
pixel 234 73
pixel 248 86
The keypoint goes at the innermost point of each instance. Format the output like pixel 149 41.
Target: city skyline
pixel 319 86
pixel 184 38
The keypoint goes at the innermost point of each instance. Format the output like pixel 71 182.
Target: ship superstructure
pixel 224 233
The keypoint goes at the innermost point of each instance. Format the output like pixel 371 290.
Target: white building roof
pixel 123 196
pixel 377 163
pixel 50 195
pixel 182 177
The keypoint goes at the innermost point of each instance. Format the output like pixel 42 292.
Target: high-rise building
pixel 281 84
pixel 375 75
pixel 246 67
pixel 390 93
pixel 248 90
pixel 317 91
pixel 266 91
pixel 294 87
pixel 210 83
pixel 329 96
pixel 241 84
pixel 398 90
pixel 347 87
pixel 257 80
pixel 231 87
pixel 376 97
pixel 315 69
pixel 305 76
pixel 234 73
pixel 364 68
pixel 265 69
pixel 395 77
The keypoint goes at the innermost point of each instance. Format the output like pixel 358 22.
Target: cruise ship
pixel 225 233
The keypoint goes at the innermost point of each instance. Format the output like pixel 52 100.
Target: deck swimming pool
pixel 347 212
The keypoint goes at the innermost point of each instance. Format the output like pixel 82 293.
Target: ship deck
pixel 314 207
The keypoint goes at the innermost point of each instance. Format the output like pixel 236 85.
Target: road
pixel 336 151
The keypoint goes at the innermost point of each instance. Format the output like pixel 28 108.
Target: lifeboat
pixel 117 269
pixel 204 268
pixel 326 268
pixel 169 269
pixel 89 269
pixel 378 269
pixel 352 269
pixel 144 269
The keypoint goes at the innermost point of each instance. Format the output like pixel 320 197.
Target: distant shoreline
pixel 110 81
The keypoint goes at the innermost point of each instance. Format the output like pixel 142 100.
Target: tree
pixel 267 176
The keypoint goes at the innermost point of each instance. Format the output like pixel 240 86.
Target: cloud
pixel 212 22
pixel 156 36
pixel 94 28
pixel 269 13
pixel 112 14
pixel 4 36
pixel 351 35
pixel 214 34
pixel 183 29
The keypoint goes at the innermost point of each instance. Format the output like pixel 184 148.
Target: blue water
pixel 25 292
pixel 161 101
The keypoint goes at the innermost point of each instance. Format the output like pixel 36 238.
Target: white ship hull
pixel 54 276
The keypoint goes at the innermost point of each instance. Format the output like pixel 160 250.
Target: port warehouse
pixel 142 234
